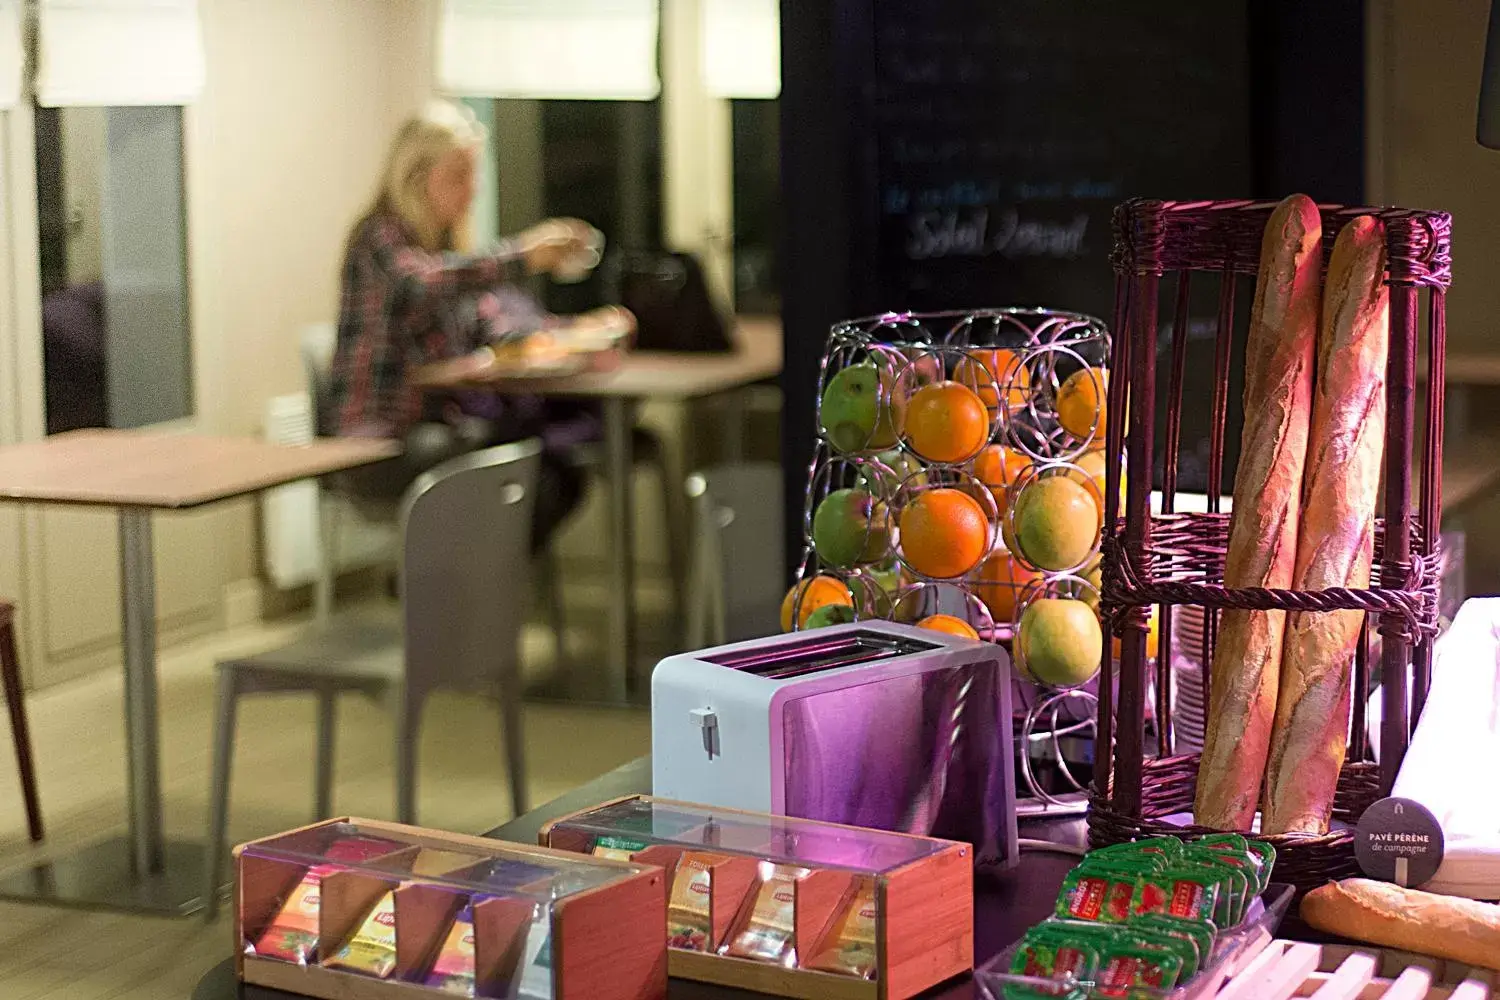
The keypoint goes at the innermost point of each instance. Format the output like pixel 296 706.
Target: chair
pixel 737 577
pixel 10 673
pixel 464 576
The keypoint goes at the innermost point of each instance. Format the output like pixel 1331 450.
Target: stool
pixel 10 673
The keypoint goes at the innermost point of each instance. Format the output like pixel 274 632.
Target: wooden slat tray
pixel 1288 969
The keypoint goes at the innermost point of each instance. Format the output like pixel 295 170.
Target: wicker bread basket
pixel 1172 559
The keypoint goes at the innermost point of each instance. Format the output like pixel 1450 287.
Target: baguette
pixel 1337 536
pixel 1263 530
pixel 1380 913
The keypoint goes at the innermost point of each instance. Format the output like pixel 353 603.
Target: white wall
pixel 284 149
pixel 1425 61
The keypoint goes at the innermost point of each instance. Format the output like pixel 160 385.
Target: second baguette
pixel 1337 537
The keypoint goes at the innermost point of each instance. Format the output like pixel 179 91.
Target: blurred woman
pixel 414 292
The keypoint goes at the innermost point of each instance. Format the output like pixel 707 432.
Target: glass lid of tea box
pixel 506 868
pixel 774 838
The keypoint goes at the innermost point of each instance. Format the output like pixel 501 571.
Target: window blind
pixel 549 49
pixel 112 53
pixel 742 48
pixel 12 56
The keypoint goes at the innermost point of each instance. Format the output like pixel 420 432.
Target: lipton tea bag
pixel 536 961
pixel 688 923
pixel 851 949
pixel 372 950
pixel 453 969
pixel 766 932
pixel 292 935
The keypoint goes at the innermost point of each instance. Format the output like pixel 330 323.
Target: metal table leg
pixel 142 725
pixel 619 421
pixel 141 873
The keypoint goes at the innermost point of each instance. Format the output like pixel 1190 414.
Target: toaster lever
pixel 708 721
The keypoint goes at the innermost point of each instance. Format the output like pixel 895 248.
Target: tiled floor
pixel 78 731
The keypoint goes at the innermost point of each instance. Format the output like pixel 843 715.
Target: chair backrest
pixel 319 341
pixel 466 568
pixel 737 510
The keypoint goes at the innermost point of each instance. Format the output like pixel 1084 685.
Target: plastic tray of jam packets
pixel 1232 950
pixel 357 908
pixel 792 906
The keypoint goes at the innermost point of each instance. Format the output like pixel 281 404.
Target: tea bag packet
pixel 292 935
pixel 372 949
pixel 851 948
pixel 453 969
pixel 618 848
pixel 688 913
pixel 535 970
pixel 766 932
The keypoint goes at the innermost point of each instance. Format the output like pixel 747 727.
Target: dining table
pixel 632 378
pixel 138 473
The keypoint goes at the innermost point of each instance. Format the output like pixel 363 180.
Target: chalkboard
pixel 1004 133
pixel 961 153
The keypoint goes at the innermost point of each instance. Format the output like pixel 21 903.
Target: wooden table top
pixel 639 374
pixel 155 469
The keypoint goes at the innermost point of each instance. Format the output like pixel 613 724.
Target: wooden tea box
pixel 355 909
pixel 789 906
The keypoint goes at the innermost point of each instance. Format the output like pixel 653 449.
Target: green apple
pixel 1058 642
pixel 863 409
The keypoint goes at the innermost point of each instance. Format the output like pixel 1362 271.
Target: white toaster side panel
pixel 710 746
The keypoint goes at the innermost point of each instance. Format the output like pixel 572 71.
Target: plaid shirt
pixel 403 306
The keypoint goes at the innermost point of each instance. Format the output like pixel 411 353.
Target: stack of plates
pixel 1188 709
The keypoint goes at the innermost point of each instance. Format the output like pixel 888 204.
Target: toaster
pixel 871 724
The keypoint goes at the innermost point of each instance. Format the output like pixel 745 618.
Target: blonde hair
pixel 438 129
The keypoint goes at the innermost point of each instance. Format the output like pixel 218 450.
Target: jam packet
pixel 688 924
pixel 1234 886
pixel 1045 954
pixel 1201 932
pixel 1099 891
pixel 1185 948
pixel 372 949
pixel 618 848
pixel 1128 966
pixel 766 931
pixel 292 935
pixel 1179 892
pixel 852 951
pixel 1163 849
pixel 453 969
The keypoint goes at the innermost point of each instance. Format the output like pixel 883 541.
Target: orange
pixel 998 467
pixel 1153 636
pixel 1001 580
pixel 1080 405
pixel 993 373
pixel 946 422
pixel 944 533
pixel 951 624
pixel 817 592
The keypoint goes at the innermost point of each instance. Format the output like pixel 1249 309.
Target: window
pixel 111 222
pixel 757 205
pixel 596 160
